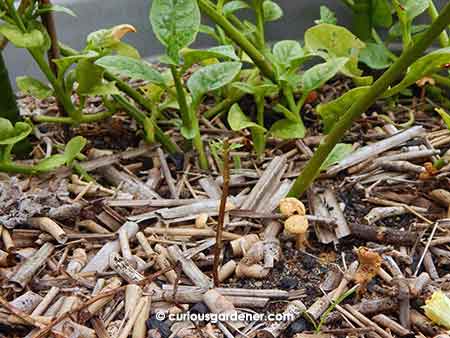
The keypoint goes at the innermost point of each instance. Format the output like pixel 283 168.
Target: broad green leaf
pixel 445 116
pixel 238 120
pixel 396 30
pixel 233 6
pixel 130 67
pixel 32 39
pixel 10 135
pixel 381 13
pixel 287 129
pixel 192 56
pixel 175 23
pixel 6 129
pixel 375 56
pixel 211 78
pixel 55 8
pixel 272 11
pixel 339 152
pixel 336 41
pixel 65 62
pixel 50 163
pixel 407 10
pixel 287 113
pixel 264 89
pixel 125 49
pixel 33 87
pixel 316 76
pixel 326 16
pixel 332 111
pixel 426 65
pixel 88 76
pixel 104 89
pixel 287 51
pixel 74 147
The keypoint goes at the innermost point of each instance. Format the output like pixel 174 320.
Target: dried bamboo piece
pixel 211 187
pixel 93 227
pixel 78 260
pixel 272 247
pixel 374 149
pixel 166 173
pixel 124 268
pixel 48 225
pixel 25 303
pixel 227 270
pixel 125 245
pixel 189 232
pixel 132 319
pixel 366 321
pixel 189 268
pixel 419 283
pixel 132 295
pixel 390 324
pixel 26 272
pixel 43 305
pixel 112 284
pixel 266 182
pixel 402 166
pixel 7 240
pixel 293 311
pixel 140 327
pixel 219 304
pixel 100 262
pixel 241 245
pixel 383 235
pixel 342 229
pixel 236 292
pixel 424 325
pixel 319 208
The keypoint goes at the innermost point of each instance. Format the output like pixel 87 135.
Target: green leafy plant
pixel 409 58
pixel 12 134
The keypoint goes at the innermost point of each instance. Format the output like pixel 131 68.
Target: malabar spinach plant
pixel 408 61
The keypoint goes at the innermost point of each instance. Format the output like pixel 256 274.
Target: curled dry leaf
pixel 118 32
pixel 291 206
pixel 369 265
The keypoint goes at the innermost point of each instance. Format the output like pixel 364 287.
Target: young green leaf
pixel 125 49
pixel 211 78
pixel 74 147
pixel 107 38
pixel 287 51
pixel 316 76
pixel 264 89
pixel 233 6
pixel 33 87
pixel 32 39
pixel 339 152
pixel 424 66
pixel 375 56
pixel 130 67
pixel 88 76
pixel 332 111
pixel 55 8
pixel 326 16
pixel 238 120
pixel 396 30
pixel 64 63
pixel 337 42
pixel 192 56
pixel 287 129
pixel 272 11
pixel 445 116
pixel 175 24
pixel 10 134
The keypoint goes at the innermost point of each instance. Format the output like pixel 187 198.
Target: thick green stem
pixel 181 97
pixel 258 58
pixel 8 105
pixel 139 116
pixel 259 139
pixel 61 95
pixel 223 105
pixel 260 34
pixel 11 167
pixel 433 13
pixel 312 168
